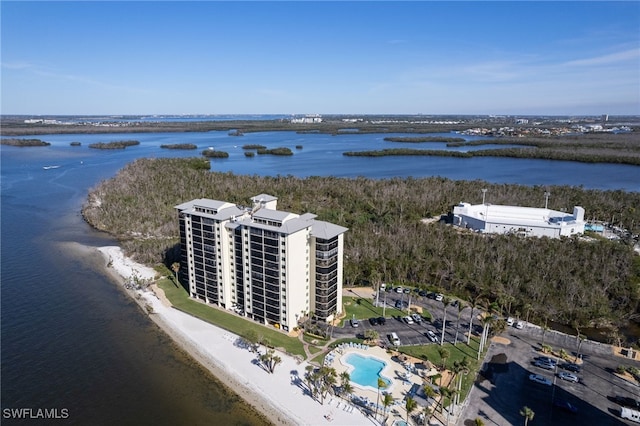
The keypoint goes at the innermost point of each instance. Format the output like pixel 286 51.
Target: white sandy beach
pixel 275 395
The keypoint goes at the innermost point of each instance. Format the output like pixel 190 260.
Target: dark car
pixel 373 321
pixel 626 401
pixel 382 320
pixel 422 293
pixel 574 368
pixel 565 406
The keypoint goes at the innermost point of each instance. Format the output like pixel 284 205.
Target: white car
pixel 432 336
pixel 540 379
pixel 408 319
pixel 417 318
pixel 399 289
pixel 570 377
pixel 510 321
pixel 519 325
pixel 439 297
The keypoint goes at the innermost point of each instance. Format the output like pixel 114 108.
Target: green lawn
pixel 235 324
pixel 362 309
pixel 456 353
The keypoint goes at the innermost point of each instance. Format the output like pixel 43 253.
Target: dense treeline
pixel 566 154
pixel 275 151
pixel 23 142
pixel 423 139
pixel 211 153
pixel 114 144
pixel 567 280
pixel 179 146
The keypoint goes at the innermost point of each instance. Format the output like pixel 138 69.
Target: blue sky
pixel 563 58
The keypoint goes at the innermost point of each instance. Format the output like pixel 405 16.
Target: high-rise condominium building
pixel 270 265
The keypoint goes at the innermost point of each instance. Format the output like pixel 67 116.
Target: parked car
pixel 382 320
pixel 417 318
pixel 536 378
pixel 519 325
pixel 547 360
pixel 354 323
pixel 510 321
pixel 455 303
pixel 408 319
pixel 626 401
pixel 383 286
pixel 432 336
pixel 565 406
pixel 373 321
pixel 544 365
pixel 569 366
pixel 439 297
pixel 400 304
pixel 569 377
pixel 399 289
pixel 407 290
pixel 422 293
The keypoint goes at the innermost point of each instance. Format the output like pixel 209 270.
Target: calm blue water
pixel 366 370
pixel 70 339
pixel 321 155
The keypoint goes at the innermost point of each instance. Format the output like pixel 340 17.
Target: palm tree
pixel 461 306
pixel 474 302
pixel 478 422
pixel 381 385
pixel 345 383
pixel 175 266
pixel 387 401
pixel 460 369
pixel 445 302
pixel 410 405
pixel 444 354
pixel 486 322
pixel 527 413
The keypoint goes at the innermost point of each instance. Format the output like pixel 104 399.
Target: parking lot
pixel 505 387
pixel 410 334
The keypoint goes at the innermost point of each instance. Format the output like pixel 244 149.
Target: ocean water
pixel 71 339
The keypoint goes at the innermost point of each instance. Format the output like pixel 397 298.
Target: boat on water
pixel 50 167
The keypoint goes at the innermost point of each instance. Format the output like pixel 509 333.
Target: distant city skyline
pixel 299 57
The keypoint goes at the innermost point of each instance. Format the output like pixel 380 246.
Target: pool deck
pixel 403 374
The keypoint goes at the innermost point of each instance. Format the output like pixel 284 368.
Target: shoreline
pixel 279 397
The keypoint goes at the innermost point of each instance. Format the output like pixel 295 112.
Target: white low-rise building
pixel 525 221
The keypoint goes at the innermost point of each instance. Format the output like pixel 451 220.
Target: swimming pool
pixel 366 370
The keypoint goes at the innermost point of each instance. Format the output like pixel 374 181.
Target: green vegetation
pixel 249 154
pixel 113 145
pixel 455 355
pixel 221 318
pixel 423 139
pixel 212 153
pixel 363 309
pixel 613 148
pixel 23 142
pixel 571 281
pixel 179 146
pixel 276 151
pixel 253 146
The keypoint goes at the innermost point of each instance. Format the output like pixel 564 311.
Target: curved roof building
pixel 526 221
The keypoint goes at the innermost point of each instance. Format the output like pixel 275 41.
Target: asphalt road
pixel 504 388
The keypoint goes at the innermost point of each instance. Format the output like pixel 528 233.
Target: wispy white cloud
pixel 612 58
pixel 17 65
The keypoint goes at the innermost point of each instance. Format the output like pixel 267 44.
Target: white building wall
pixel 298 276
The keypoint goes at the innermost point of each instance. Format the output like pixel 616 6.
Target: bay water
pixel 72 340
